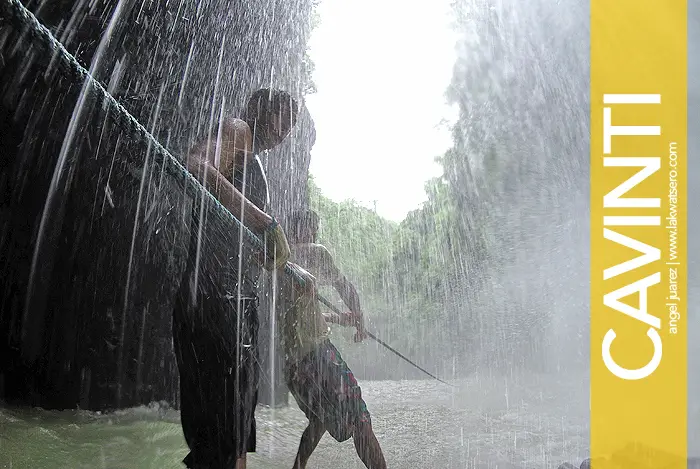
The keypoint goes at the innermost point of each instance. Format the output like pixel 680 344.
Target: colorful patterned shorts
pixel 326 390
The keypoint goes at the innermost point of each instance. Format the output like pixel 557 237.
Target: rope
pixel 25 21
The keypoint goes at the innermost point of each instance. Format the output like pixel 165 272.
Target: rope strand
pixel 25 21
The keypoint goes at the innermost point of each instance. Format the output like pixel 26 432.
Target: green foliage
pixel 433 285
pixel 359 237
pixel 406 273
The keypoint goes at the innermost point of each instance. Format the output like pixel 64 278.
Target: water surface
pixel 531 422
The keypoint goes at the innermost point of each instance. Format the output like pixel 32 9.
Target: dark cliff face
pixel 92 328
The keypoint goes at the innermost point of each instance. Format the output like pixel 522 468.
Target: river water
pixel 532 421
pixel 524 421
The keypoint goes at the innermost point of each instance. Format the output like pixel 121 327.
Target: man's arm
pixel 206 163
pixel 346 290
pixel 347 293
pixel 331 317
pixel 235 143
pixel 324 265
pixel 343 319
pixel 228 195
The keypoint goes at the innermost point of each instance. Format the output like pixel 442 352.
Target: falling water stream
pixel 521 396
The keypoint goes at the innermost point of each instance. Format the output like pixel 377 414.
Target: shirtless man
pixel 318 378
pixel 215 321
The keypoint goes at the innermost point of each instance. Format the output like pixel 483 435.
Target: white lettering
pixel 650 165
pixel 609 130
pixel 631 99
pixel 629 220
pixel 650 254
pixel 612 300
pixel 639 373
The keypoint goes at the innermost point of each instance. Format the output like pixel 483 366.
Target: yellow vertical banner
pixel 638 234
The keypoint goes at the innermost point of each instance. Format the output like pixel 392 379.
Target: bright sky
pixel 382 68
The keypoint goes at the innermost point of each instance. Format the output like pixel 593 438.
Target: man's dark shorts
pixel 326 390
pixel 218 378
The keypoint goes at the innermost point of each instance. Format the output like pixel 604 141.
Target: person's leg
pixel 346 412
pixel 309 440
pixel 301 379
pixel 213 399
pixel 247 378
pixel 367 446
pixel 252 437
pixel 202 401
